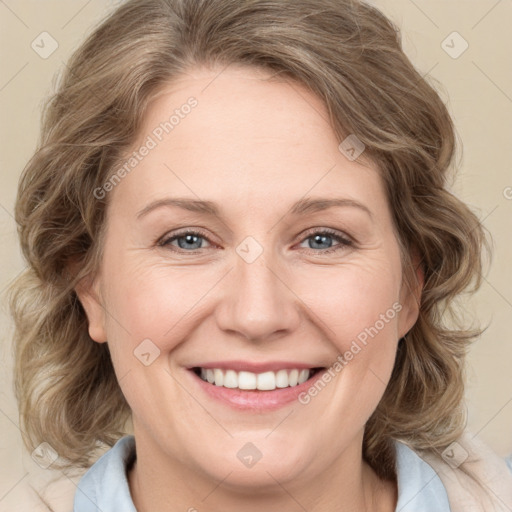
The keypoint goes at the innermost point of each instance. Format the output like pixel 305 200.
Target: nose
pixel 258 303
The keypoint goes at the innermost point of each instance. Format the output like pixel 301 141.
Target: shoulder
pixel 475 478
pixel 36 492
pixel 47 490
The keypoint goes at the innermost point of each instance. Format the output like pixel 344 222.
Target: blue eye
pixel 320 241
pixel 324 238
pixel 186 240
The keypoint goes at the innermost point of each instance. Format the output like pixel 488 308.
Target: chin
pixel 253 465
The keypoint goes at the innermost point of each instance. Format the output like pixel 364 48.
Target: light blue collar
pixel 419 487
pixel 104 487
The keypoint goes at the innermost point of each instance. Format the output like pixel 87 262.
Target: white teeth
pixel 303 376
pixel 247 380
pixel 293 378
pixel 266 381
pixel 219 377
pixel 230 379
pixel 282 379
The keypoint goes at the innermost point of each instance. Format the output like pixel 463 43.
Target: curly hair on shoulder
pixel 348 54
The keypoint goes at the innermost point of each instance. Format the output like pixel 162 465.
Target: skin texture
pixel 254 147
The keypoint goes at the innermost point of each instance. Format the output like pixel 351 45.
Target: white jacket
pixel 489 489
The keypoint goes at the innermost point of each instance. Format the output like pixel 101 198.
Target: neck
pixel 160 482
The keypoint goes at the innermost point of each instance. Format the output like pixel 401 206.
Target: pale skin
pixel 254 148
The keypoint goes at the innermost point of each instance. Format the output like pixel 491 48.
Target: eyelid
pixel 330 231
pixel 344 240
pixel 163 241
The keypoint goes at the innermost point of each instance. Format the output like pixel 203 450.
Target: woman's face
pixel 243 242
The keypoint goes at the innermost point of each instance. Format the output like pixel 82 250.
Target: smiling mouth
pixel 266 381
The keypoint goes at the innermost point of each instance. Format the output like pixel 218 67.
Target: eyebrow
pixel 301 207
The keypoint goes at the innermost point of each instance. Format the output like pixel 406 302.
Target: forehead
pixel 235 134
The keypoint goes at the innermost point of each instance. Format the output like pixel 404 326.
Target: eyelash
pixel 344 242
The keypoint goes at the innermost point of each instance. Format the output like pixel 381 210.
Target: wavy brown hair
pixel 348 54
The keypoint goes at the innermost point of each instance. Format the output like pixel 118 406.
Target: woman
pixel 239 238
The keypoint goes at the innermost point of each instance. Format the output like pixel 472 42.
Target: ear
pixel 88 291
pixel 410 295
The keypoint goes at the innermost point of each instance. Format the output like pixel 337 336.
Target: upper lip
pixel 254 367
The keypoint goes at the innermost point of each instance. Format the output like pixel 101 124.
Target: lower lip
pixel 255 400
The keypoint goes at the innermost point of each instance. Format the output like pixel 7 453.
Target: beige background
pixel 477 87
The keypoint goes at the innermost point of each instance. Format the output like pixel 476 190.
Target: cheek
pixel 360 312
pixel 152 301
pixel 355 301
